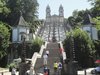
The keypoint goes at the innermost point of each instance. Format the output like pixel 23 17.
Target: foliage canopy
pixel 4 39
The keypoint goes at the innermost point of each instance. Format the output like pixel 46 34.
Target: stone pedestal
pixel 23 67
pixel 72 68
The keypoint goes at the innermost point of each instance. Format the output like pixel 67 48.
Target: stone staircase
pixel 54 55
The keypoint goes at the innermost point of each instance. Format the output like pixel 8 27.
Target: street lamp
pixel 15 48
pixel 23 65
pixel 72 64
pixel 23 54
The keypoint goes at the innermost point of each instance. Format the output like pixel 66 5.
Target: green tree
pixel 4 39
pixel 95 3
pixel 97 25
pixel 79 17
pixel 3 8
pixel 28 8
pixel 75 13
pixel 71 21
pixel 84 48
pixel 95 10
pixel 97 48
pixel 97 22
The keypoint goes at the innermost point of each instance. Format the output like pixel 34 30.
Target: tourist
pixel 50 40
pixel 59 65
pixel 46 70
pixel 55 66
pixel 59 68
pixel 45 59
pixel 13 72
pixel 47 52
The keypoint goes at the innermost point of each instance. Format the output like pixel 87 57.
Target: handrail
pixel 61 45
pixel 3 71
pixel 34 58
pixel 41 50
pixel 38 55
pixel 63 51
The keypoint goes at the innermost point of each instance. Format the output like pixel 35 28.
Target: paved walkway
pixel 53 49
pixel 88 71
pixel 82 72
pixel 54 55
pixel 7 73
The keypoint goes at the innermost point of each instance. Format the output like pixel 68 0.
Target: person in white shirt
pixel 50 40
pixel 13 72
pixel 59 68
pixel 47 52
pixel 45 59
pixel 59 65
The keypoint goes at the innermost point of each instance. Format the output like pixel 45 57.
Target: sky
pixel 68 5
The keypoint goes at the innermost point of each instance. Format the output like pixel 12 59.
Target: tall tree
pixel 28 9
pixel 95 10
pixel 78 15
pixel 4 11
pixel 75 13
pixel 97 25
pixel 97 22
pixel 3 8
pixel 83 46
pixel 71 21
pixel 4 39
pixel 95 3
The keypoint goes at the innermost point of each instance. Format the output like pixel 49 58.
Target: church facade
pixel 54 25
pixel 50 19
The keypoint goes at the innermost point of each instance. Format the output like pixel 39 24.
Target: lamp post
pixel 23 54
pixel 23 64
pixel 72 64
pixel 15 46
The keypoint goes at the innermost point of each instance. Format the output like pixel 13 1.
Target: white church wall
pixel 92 32
pixel 14 35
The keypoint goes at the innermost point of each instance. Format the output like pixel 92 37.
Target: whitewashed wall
pixel 16 36
pixel 92 32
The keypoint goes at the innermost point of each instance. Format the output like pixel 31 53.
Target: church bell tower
pixel 48 11
pixel 61 11
pixel 61 15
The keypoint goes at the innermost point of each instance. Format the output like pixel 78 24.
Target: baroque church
pixel 54 25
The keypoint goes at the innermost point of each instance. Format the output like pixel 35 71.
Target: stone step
pixel 54 55
pixel 52 46
pixel 39 64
